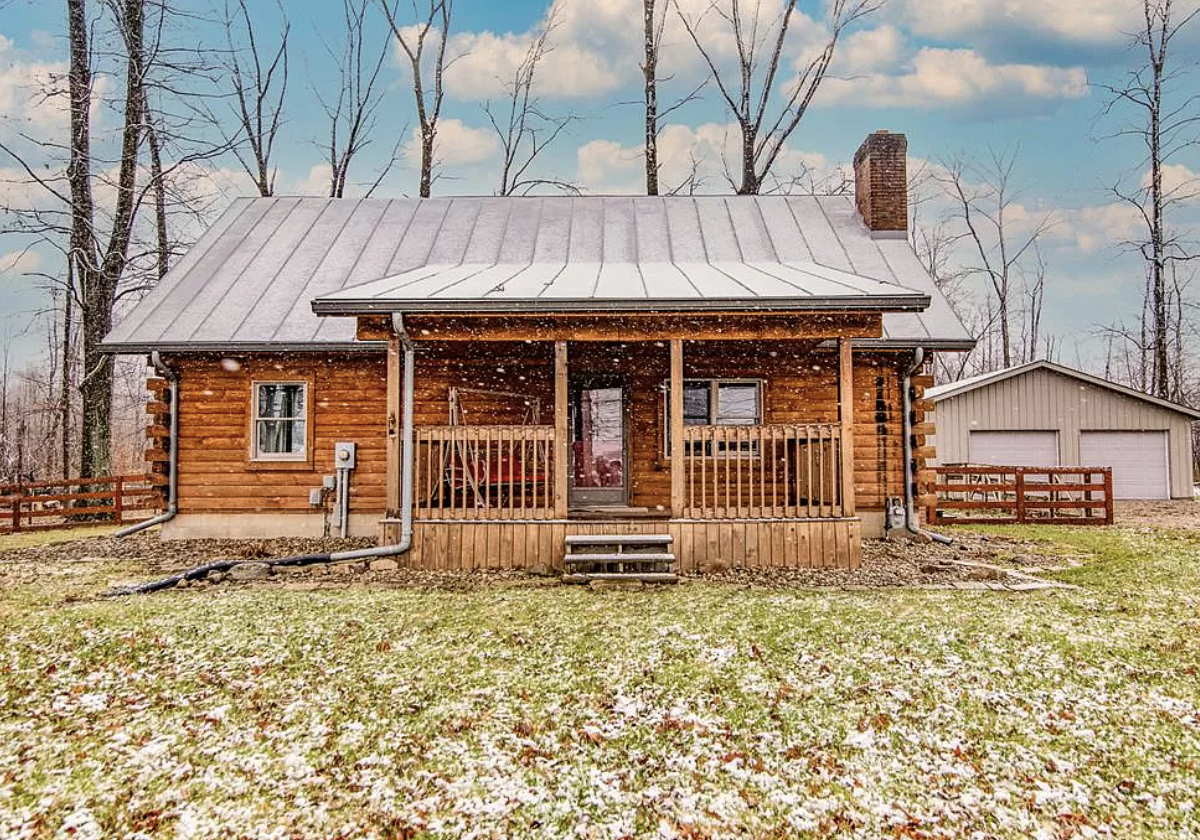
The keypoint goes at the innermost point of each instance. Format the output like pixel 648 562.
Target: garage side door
pixel 1014 449
pixel 1138 461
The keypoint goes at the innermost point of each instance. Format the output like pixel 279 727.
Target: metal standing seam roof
pixel 254 278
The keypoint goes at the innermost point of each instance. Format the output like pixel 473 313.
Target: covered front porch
pixel 735 441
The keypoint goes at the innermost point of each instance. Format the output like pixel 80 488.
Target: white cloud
pixel 605 166
pixel 488 61
pixel 1085 21
pixel 456 144
pixel 869 50
pixel 596 47
pixel 945 78
pixel 316 182
pixel 1178 181
pixel 20 262
pixel 33 94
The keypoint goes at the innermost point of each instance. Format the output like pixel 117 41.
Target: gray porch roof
pixel 254 278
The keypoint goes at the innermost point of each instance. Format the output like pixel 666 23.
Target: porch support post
pixel 676 412
pixel 561 433
pixel 846 417
pixel 391 532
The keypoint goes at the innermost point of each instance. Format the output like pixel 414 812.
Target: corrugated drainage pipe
pixel 910 506
pixel 172 453
pixel 406 496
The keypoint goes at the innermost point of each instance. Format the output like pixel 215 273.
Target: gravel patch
pixel 886 563
pixel 1178 514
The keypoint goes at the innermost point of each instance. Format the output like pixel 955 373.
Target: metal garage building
pixel 1043 414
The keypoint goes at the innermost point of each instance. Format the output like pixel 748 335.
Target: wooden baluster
pixel 733 462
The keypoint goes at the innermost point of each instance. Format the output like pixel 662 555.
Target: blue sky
pixel 956 76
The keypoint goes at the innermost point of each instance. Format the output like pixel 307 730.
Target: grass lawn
pixel 694 711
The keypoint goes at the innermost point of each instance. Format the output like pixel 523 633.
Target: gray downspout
pixel 910 507
pixel 406 458
pixel 172 453
pixel 406 499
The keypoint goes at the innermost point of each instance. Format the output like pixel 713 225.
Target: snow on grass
pixel 694 711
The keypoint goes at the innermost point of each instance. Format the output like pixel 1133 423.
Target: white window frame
pixel 714 386
pixel 256 454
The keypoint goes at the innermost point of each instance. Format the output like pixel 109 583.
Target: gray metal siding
pixel 1044 400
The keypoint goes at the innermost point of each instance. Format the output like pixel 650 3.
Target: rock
pixel 982 573
pixel 250 571
pixel 934 568
pixel 217 577
pixel 183 584
pixel 384 564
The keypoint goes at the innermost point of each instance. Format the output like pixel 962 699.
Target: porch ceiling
pixel 627 286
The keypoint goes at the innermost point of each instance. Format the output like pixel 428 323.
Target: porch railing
pixel 772 471
pixel 484 472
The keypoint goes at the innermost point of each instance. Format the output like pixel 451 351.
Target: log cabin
pixel 508 382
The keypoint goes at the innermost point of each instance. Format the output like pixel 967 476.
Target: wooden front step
pixel 619 557
pixel 618 539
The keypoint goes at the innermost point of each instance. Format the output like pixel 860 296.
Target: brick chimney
pixel 881 184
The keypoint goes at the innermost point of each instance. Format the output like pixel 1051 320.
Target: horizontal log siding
pixel 349 403
pixel 348 397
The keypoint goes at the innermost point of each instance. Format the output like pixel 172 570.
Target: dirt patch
pixel 1178 514
pixel 143 558
pixel 891 563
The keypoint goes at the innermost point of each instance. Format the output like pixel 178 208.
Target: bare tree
pixel 1165 120
pixel 985 202
pixel 522 126
pixel 259 82
pixel 749 89
pixel 433 25
pixel 654 20
pixel 352 112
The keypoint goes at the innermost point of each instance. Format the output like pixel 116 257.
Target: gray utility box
pixel 344 455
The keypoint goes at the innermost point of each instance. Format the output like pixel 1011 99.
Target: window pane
pixel 281 400
pixel 281 437
pixel 695 403
pixel 737 403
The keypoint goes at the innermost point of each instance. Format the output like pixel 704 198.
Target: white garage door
pixel 1014 449
pixel 1138 461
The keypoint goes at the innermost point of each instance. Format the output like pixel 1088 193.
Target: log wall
pixel 348 401
pixel 348 395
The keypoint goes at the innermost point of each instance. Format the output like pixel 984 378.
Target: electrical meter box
pixel 344 454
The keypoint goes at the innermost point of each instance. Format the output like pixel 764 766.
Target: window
pixel 280 421
pixel 716 402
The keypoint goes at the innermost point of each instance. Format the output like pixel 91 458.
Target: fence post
pixel 119 500
pixel 16 510
pixel 1108 496
pixel 1020 485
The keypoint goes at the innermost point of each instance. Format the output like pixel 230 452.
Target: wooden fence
pixel 76 502
pixel 1021 495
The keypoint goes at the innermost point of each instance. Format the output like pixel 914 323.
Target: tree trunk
pixel 650 71
pixel 1157 263
pixel 64 393
pixel 98 282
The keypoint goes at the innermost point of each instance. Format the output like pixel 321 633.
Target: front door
pixel 599 467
